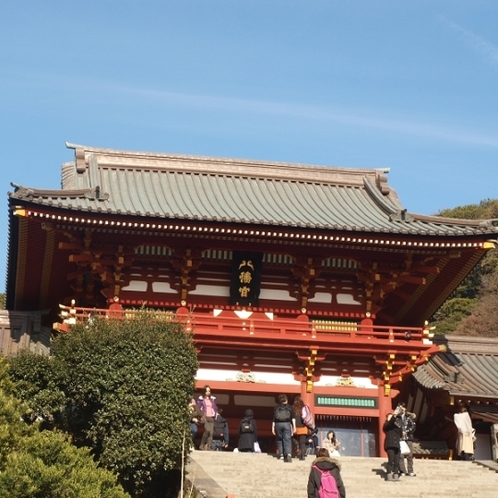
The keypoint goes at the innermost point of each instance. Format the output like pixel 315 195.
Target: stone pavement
pixel 242 475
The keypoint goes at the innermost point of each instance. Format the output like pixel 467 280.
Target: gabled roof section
pixel 468 368
pixel 238 191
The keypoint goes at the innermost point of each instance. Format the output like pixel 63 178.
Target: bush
pixel 47 465
pixel 44 464
pixel 12 428
pixel 126 386
pixel 37 384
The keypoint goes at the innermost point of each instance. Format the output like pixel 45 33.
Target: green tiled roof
pixel 469 367
pixel 238 191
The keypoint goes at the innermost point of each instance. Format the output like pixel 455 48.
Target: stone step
pixel 243 475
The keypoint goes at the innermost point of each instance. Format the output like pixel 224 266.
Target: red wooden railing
pixel 205 325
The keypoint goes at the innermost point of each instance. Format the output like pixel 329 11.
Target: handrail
pixel 204 325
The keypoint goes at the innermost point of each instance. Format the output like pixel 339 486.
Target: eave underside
pixel 42 269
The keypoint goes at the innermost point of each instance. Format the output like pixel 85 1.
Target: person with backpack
pixel 283 427
pixel 248 432
pixel 325 479
pixel 304 423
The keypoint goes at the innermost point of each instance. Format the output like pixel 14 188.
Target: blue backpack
pixel 328 487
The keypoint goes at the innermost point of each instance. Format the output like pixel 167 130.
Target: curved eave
pixel 480 412
pixel 463 372
pixel 282 209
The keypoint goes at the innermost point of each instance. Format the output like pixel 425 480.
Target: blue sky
pixel 410 85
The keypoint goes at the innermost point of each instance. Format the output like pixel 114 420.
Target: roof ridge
pixel 223 166
pixel 452 221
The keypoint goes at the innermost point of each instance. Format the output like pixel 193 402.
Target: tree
pixel 472 309
pixel 485 210
pixel 452 312
pixel 44 464
pixel 12 428
pixel 127 386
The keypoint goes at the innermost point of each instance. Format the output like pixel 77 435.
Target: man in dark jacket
pixel 407 429
pixel 323 463
pixel 284 426
pixel 221 433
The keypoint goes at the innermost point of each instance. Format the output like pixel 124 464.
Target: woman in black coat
pixel 392 430
pixel 323 463
pixel 248 432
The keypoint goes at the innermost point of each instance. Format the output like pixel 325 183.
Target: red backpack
pixel 328 487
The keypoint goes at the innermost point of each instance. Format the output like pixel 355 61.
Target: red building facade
pixel 297 279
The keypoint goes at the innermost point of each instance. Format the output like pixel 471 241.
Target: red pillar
pixel 385 407
pixel 308 398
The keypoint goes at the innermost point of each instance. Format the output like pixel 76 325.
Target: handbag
pixel 404 449
pixel 301 431
pixel 307 417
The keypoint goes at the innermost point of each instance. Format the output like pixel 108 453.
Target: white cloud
pixel 484 48
pixel 320 114
pixel 325 116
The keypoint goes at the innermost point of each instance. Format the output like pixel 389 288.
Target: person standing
pixel 408 426
pixel 392 430
pixel 304 423
pixel 465 443
pixel 207 404
pixel 196 417
pixel 283 427
pixel 248 432
pixel 323 469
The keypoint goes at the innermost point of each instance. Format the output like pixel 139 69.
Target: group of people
pixel 399 428
pixel 298 420
pixel 215 436
pixel 289 422
pixel 296 423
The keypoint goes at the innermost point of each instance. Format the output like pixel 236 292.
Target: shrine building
pixel 295 279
